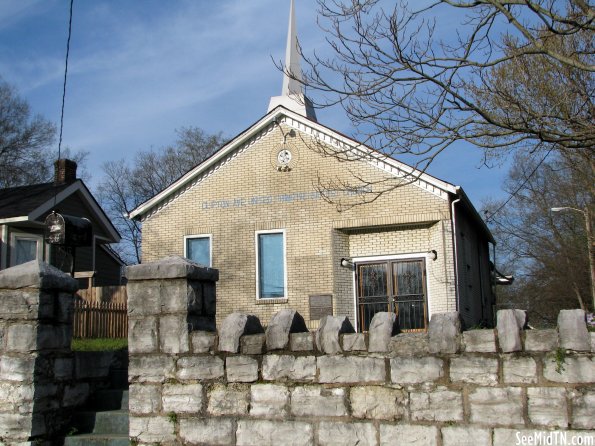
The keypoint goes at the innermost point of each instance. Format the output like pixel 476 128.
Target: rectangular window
pixel 270 254
pixel 198 249
pixel 25 248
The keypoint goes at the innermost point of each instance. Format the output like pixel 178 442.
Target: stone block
pixel 541 340
pixel 37 274
pixel 21 338
pixel 466 436
pixel 301 342
pixel 203 341
pixel 479 341
pixel 241 369
pixel 410 344
pixel 151 368
pixel 572 327
pixel 173 267
pixel 404 370
pixel 252 344
pixel 283 323
pixel 15 427
pixel 327 335
pixel 509 331
pixel 75 394
pixel 173 334
pixel 408 435
pixel 383 327
pixel 142 335
pixel 547 406
pixel 378 403
pixel 209 299
pixel 274 433
pixel 496 406
pixel 14 395
pixel 228 400
pixel 286 367
pixel 354 342
pixel 519 370
pixel 182 398
pixel 25 305
pixel 346 434
pixel 181 296
pixel 269 400
pixel 444 332
pixel 314 401
pixel 351 369
pixel 235 326
pixel 211 431
pixel 65 313
pixel 475 370
pixel 592 333
pixel 144 398
pixel 508 437
pixel 144 298
pixel 439 404
pixel 156 429
pixel 52 337
pixel 200 367
pixel 583 403
pixel 63 368
pixel 17 368
pixel 573 369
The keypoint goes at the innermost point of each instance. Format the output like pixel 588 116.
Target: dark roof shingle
pixel 20 201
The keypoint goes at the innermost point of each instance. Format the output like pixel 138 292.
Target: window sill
pixel 265 301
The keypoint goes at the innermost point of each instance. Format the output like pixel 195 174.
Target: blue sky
pixel 138 70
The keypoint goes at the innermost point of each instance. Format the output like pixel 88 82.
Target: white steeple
pixel 292 94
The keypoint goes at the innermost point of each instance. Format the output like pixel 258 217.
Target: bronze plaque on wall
pixel 320 305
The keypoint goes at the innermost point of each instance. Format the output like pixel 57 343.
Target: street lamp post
pixel 590 243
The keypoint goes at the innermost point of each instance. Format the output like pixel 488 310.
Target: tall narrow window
pixel 198 249
pixel 271 265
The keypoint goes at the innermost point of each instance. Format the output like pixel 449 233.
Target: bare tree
pixel 547 251
pixel 125 187
pixel 24 142
pixel 411 87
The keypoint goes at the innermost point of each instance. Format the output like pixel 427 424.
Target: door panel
pixel 409 295
pixel 373 289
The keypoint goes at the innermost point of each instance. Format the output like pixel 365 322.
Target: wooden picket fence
pixel 113 294
pixel 100 319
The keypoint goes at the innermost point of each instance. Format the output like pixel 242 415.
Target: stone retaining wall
pixel 245 385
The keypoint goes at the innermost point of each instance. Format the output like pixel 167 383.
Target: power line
pixel 65 76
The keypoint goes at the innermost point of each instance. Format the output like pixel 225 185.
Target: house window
pixel 25 248
pixel 198 249
pixel 270 274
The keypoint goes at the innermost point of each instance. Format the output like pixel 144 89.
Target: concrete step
pixel 97 440
pixel 108 422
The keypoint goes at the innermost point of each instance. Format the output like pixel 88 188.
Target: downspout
pixel 454 244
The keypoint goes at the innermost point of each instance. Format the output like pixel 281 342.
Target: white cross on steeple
pixel 292 94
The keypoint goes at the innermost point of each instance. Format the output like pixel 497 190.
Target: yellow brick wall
pixel 248 194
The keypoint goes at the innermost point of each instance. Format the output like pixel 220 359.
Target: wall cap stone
pixel 173 267
pixel 37 274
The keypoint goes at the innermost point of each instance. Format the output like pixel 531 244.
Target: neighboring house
pixel 253 210
pixel 23 211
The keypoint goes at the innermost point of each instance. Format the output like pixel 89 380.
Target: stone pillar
pixel 36 307
pixel 171 303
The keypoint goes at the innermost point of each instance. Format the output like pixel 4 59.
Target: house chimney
pixel 64 171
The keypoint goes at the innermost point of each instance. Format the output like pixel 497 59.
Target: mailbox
pixel 67 230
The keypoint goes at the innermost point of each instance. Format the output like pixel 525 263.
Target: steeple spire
pixel 292 94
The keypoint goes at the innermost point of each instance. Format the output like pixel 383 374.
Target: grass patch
pixel 98 345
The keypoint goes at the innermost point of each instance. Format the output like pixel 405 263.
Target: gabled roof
pixel 29 203
pixel 280 114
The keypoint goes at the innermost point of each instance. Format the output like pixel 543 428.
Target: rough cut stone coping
pixel 171 268
pixel 37 274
